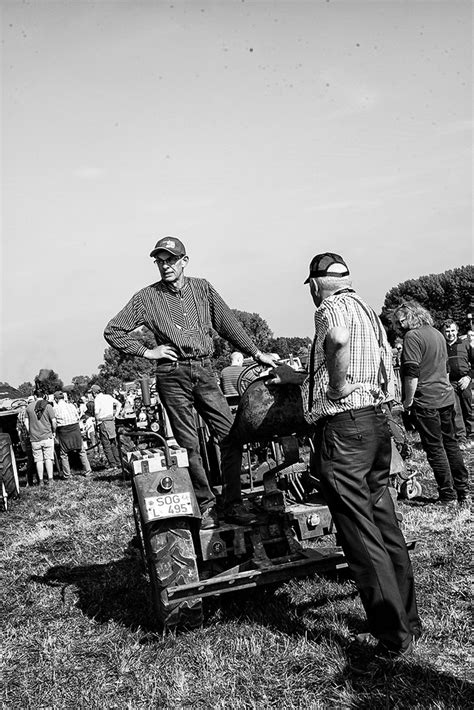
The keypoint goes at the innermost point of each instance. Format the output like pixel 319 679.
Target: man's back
pixel 40 428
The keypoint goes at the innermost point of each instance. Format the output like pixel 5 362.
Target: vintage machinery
pixel 291 537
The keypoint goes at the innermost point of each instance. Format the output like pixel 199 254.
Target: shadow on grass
pixel 115 591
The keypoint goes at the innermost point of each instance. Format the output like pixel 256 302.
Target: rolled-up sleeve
pixel 118 332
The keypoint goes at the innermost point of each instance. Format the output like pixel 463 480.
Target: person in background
pixel 181 313
pixel 231 374
pixel 106 408
pixel 41 425
pixel 24 439
pixel 69 436
pixel 344 395
pixel 460 363
pixel 429 395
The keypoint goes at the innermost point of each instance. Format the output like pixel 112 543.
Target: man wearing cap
pixel 69 435
pixel 106 408
pixel 181 311
pixel 349 374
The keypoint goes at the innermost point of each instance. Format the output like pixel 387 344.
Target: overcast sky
pixel 260 133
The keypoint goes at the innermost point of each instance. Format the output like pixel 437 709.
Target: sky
pixel 260 133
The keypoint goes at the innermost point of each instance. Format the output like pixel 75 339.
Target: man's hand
pixel 161 352
pixel 407 405
pixel 464 382
pixel 270 359
pixel 336 394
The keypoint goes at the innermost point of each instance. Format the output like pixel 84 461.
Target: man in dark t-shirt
pixel 428 392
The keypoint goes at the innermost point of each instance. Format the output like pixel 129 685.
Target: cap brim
pixel 307 280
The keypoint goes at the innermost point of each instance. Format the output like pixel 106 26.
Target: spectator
pixel 231 374
pixel 41 424
pixel 460 363
pixel 89 430
pixel 69 435
pixel 428 393
pixel 350 373
pixel 24 439
pixel 106 408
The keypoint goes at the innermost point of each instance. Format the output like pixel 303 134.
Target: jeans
pixel 109 444
pixel 353 452
pixel 182 386
pixel 436 429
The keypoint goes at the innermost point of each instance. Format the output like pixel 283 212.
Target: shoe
pixel 209 518
pixel 465 502
pixel 87 474
pixel 384 653
pixel 239 515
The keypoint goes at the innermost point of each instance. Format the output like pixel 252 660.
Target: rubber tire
pixel 8 471
pixel 411 489
pixel 172 561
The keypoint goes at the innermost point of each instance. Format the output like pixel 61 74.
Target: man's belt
pixel 352 414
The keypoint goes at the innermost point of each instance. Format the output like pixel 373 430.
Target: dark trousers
pixel 463 406
pixel 436 429
pixel 182 386
pixel 353 452
pixel 109 444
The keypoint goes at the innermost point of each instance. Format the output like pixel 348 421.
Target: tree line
pixel 446 295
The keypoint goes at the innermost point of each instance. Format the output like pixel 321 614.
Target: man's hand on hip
pixel 161 352
pixel 270 359
pixel 336 394
pixel 464 382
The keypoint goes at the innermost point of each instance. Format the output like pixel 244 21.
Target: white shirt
pixel 106 406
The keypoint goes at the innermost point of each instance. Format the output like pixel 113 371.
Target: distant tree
pixel 118 367
pixel 289 346
pixel 445 295
pixel 254 325
pixel 26 388
pixel 47 381
pixel 80 385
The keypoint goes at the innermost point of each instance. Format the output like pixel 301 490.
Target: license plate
pixel 169 505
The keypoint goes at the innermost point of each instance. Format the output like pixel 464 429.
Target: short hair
pixel 415 314
pixel 333 283
pixel 448 322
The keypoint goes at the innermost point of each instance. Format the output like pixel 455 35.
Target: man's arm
pixel 337 349
pixel 229 327
pixel 119 330
pixel 409 388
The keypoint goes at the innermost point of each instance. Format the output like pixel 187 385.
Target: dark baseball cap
pixel 170 244
pixel 321 265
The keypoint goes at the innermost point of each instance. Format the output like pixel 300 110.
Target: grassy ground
pixel 77 629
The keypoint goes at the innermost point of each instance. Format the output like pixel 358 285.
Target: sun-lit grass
pixel 78 631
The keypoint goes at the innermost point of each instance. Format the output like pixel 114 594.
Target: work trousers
pixel 109 444
pixel 191 383
pixel 436 429
pixel 353 452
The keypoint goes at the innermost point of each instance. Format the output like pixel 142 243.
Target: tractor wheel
pixel 172 561
pixel 411 489
pixel 8 471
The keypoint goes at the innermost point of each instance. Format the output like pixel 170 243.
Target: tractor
pixel 294 534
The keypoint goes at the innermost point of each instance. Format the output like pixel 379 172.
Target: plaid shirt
pixel 65 413
pixel 184 319
pixel 346 309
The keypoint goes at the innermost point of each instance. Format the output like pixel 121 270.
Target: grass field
pixel 77 627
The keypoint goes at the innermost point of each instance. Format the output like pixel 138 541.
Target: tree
pixel 254 325
pixel 26 389
pixel 445 295
pixel 47 381
pixel 118 367
pixel 80 385
pixel 289 346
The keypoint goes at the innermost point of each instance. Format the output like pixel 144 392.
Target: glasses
pixel 170 261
